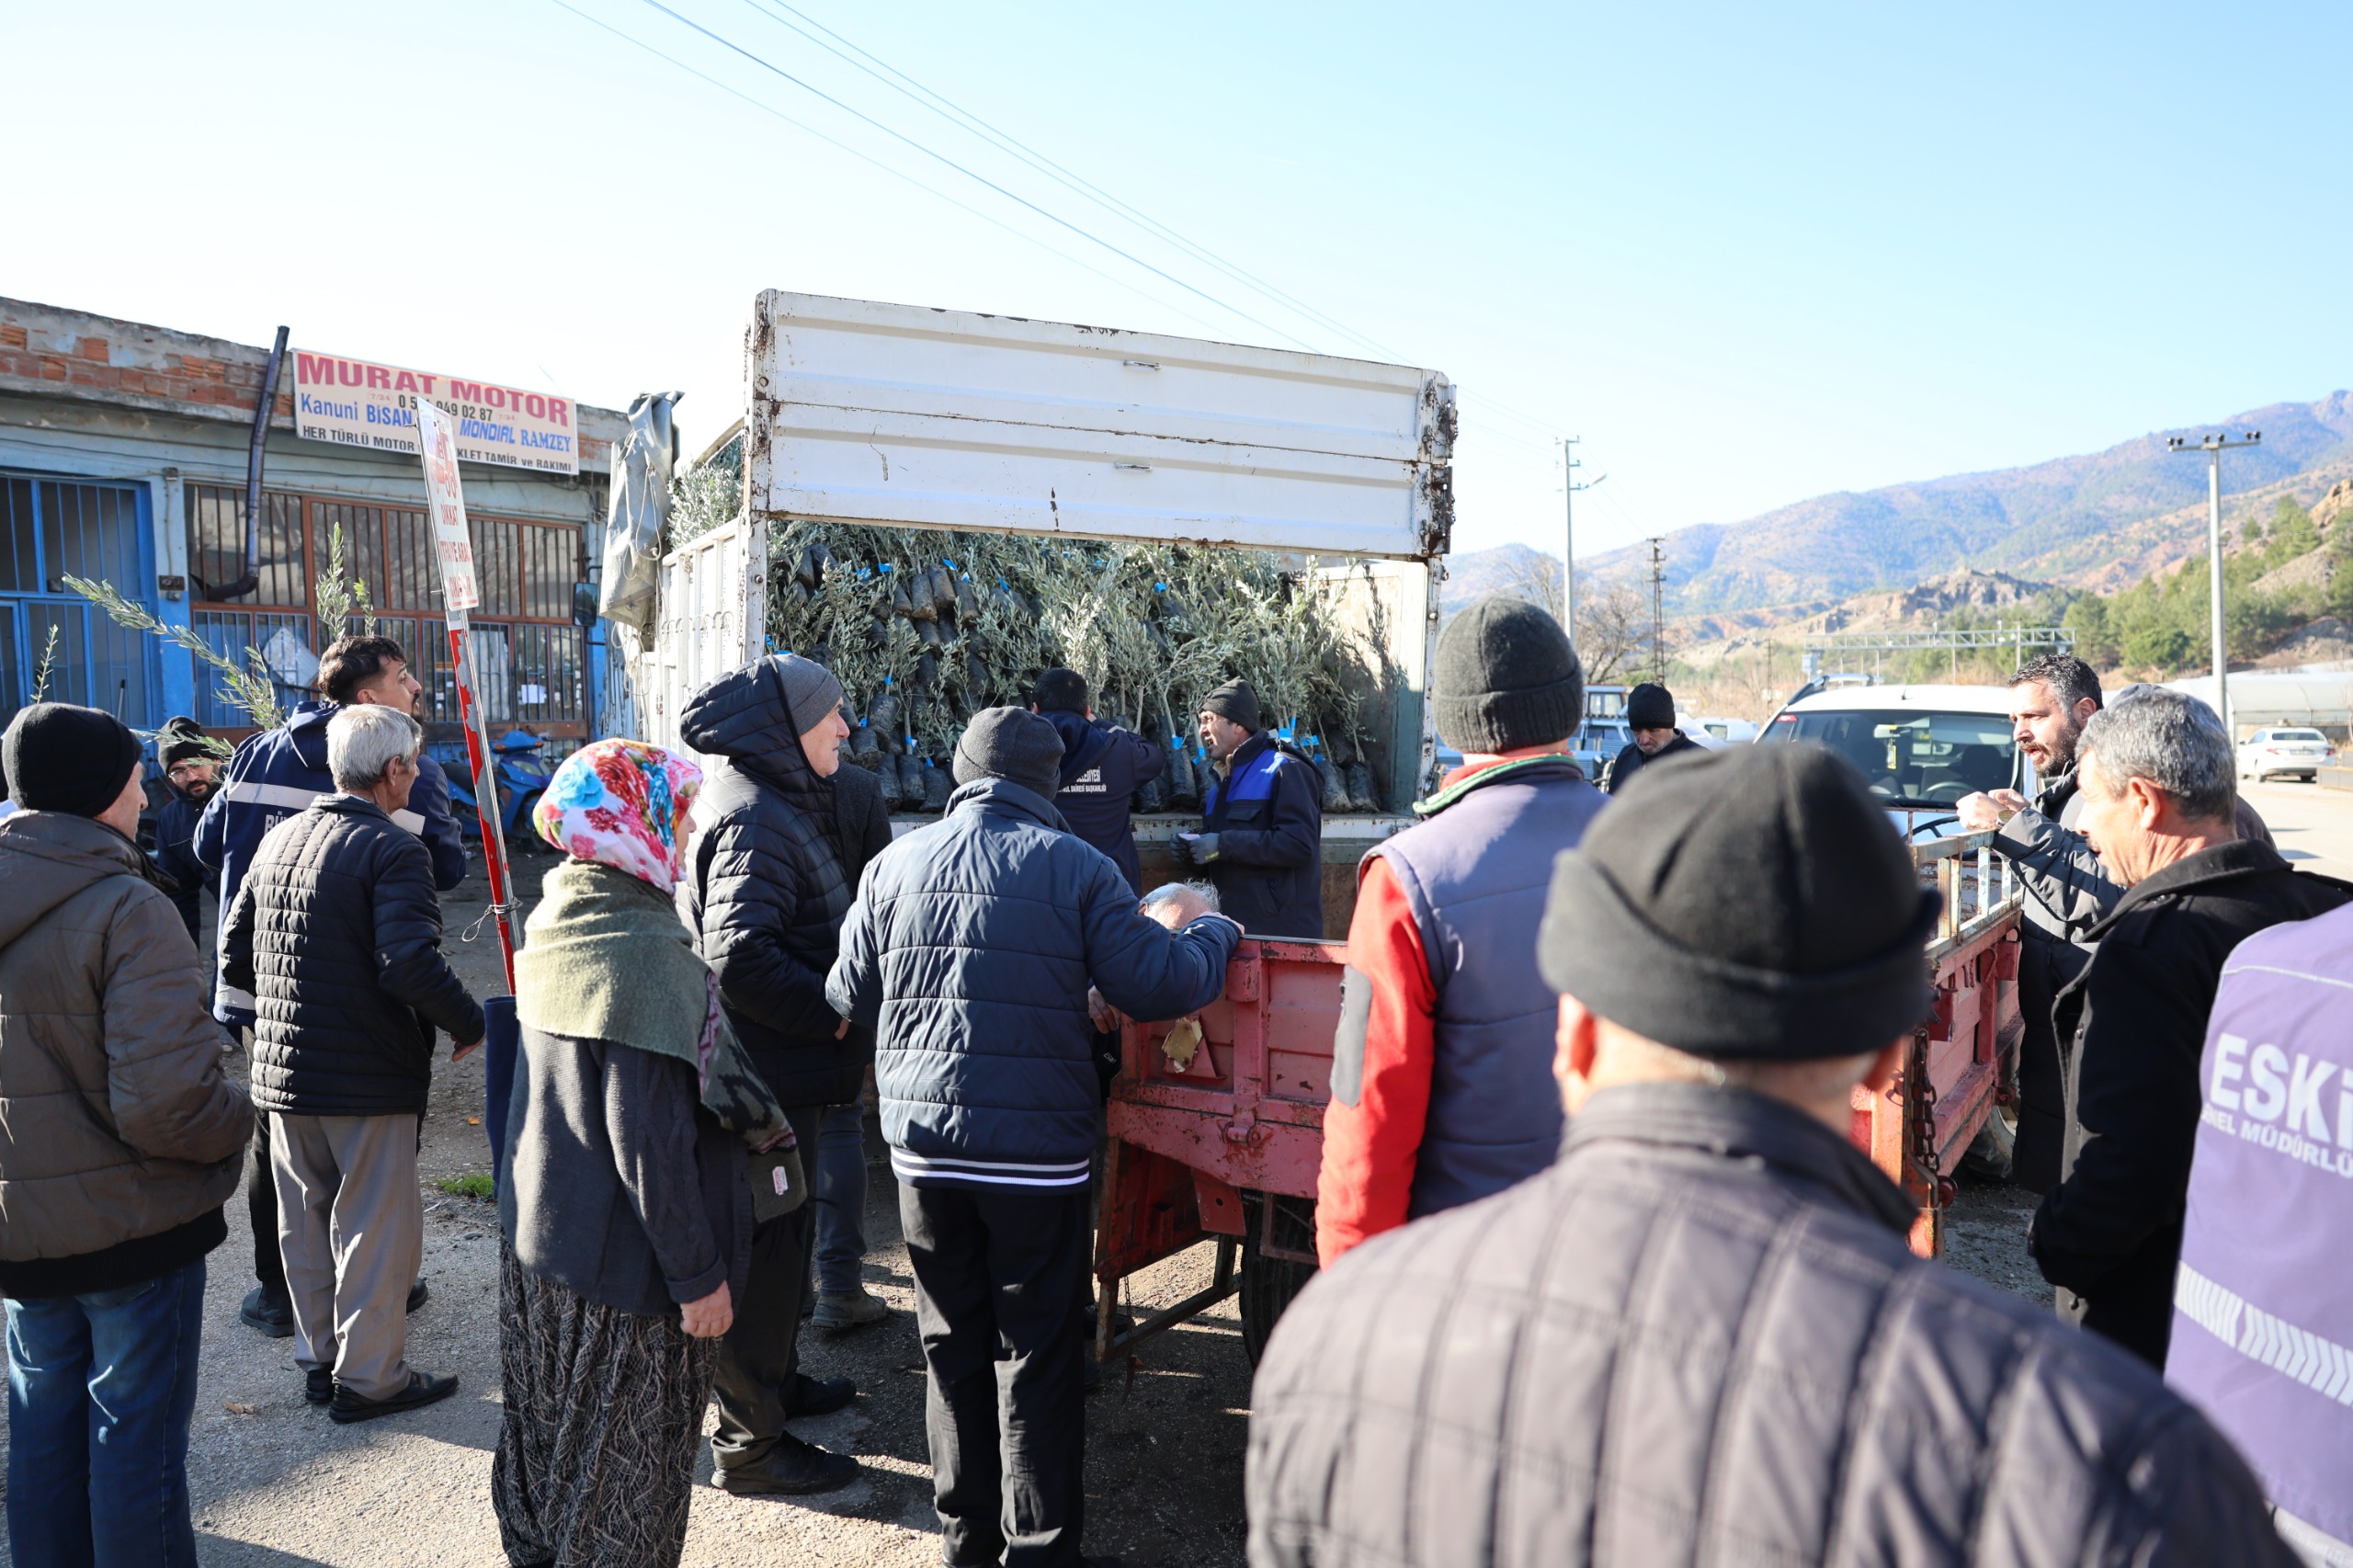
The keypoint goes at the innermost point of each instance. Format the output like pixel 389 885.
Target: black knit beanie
pixel 60 757
pixel 1012 743
pixel 1751 903
pixel 1650 706
pixel 1505 677
pixel 1234 702
pixel 179 740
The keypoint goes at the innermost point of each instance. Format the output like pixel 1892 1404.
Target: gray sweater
pixel 617 1184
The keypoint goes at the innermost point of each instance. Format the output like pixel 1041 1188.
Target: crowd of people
pixel 1604 1279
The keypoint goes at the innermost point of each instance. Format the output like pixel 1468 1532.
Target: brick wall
pixel 47 351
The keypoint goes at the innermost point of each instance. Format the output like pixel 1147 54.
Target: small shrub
pixel 473 1184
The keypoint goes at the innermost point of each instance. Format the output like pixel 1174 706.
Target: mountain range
pixel 2100 520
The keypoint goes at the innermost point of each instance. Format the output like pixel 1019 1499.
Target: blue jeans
pixel 840 1197
pixel 101 1389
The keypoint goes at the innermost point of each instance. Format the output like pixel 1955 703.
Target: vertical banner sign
pixel 453 547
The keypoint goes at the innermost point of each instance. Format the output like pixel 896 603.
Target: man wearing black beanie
pixel 1650 713
pixel 1262 820
pixel 119 1142
pixel 1701 1336
pixel 1442 1068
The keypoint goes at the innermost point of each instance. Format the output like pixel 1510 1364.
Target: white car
pixel 1920 748
pixel 2281 754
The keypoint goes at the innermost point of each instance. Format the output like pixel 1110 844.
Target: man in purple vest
pixel 2263 1324
pixel 1442 1071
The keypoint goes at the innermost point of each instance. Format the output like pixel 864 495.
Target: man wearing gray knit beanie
pixel 1442 1069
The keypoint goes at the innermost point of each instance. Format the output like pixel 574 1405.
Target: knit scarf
pixel 604 957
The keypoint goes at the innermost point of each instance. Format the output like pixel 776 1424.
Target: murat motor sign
pixel 356 402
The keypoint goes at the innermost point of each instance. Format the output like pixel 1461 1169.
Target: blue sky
pixel 1749 253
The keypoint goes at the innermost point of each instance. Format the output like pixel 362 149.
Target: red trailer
pixel 1216 1121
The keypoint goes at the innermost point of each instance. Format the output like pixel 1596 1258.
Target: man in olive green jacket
pixel 118 1144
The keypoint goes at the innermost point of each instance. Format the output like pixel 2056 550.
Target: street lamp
pixel 2214 447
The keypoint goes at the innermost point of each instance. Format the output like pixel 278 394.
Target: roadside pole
pixel 2214 447
pixel 453 547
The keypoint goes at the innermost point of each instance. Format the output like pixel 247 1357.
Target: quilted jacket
pixel 336 933
pixel 970 949
pixel 275 774
pixel 764 891
pixel 1699 1338
pixel 115 1121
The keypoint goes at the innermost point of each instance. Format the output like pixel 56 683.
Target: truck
pixel 906 417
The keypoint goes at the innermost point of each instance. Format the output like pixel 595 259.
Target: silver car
pixel 2284 754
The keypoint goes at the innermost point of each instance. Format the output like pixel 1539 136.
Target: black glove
pixel 1203 849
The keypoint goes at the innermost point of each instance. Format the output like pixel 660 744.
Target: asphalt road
pixel 277 1483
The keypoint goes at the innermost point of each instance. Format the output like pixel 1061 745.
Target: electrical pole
pixel 1568 465
pixel 2214 447
pixel 1658 608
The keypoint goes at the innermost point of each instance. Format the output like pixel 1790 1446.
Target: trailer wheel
pixel 1269 1283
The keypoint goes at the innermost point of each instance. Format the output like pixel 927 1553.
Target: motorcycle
pixel 522 776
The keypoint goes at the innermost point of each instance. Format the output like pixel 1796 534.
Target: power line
pixel 836 143
pixel 770 66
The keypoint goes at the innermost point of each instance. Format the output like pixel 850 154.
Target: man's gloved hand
pixel 1201 849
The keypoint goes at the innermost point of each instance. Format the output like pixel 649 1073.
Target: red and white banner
pixel 356 402
pixel 453 544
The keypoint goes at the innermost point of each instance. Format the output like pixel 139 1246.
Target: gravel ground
pixel 277 1483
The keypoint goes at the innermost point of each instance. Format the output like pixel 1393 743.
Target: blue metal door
pixel 51 639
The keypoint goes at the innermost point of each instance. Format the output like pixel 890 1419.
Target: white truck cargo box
pixel 905 416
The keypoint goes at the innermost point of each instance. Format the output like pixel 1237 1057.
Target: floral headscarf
pixel 618 804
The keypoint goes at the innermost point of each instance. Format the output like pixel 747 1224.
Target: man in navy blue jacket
pixel 1262 828
pixel 969 952
pixel 1103 765
pixel 276 775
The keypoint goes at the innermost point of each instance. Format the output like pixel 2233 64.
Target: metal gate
pixel 49 529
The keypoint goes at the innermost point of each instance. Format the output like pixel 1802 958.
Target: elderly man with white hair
pixel 2159 805
pixel 336 931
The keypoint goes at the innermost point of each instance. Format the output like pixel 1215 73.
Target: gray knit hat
pixel 810 690
pixel 1012 743
pixel 1505 677
pixel 1751 903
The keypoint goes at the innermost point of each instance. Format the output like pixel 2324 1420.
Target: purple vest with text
pixel 2263 1315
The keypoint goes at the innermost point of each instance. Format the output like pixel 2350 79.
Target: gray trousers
pixel 351 1230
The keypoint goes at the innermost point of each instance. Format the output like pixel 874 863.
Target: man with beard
pixel 2051 697
pixel 193 773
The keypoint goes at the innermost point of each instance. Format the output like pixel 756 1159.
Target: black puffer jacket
pixel 1701 1339
pixel 336 931
pixel 2132 1028
pixel 766 893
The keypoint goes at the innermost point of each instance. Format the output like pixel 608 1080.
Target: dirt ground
pixel 276 1483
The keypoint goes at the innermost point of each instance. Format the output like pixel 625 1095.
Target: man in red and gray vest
pixel 2262 1324
pixel 1442 1071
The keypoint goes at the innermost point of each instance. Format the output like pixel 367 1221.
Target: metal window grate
pixel 286 645
pixel 51 530
pixel 216 542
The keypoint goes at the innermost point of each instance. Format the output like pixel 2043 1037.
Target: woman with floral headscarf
pixel 622 1191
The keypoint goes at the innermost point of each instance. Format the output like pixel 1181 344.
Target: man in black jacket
pixel 1701 1337
pixel 2157 778
pixel 1103 765
pixel 765 893
pixel 192 773
pixel 1262 828
pixel 336 933
pixel 1650 713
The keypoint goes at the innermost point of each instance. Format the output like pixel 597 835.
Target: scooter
pixel 522 774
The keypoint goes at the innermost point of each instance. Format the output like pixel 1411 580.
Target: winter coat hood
pixel 743 717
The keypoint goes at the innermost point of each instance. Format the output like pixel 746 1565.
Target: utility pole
pixel 1568 465
pixel 2214 447
pixel 1658 608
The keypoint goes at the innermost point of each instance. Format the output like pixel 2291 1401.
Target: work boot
pixel 790 1469
pixel 271 1313
pixel 812 1396
pixel 838 1312
pixel 417 1294
pixel 424 1389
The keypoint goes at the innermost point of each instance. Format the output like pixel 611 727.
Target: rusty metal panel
pixel 895 414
